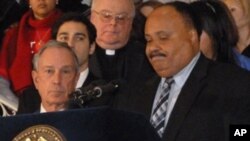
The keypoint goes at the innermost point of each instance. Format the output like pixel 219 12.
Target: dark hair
pixel 217 22
pixel 75 17
pixel 189 16
pixel 138 25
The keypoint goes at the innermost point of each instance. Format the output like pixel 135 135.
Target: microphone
pixel 98 91
pixel 93 91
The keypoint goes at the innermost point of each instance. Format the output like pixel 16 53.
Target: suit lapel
pixel 91 77
pixel 145 97
pixel 186 99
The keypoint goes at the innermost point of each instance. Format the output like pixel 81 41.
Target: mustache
pixel 42 5
pixel 156 53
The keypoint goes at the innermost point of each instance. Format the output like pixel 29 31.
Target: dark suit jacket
pixel 214 96
pixel 29 101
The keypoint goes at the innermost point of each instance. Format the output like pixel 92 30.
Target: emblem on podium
pixel 40 133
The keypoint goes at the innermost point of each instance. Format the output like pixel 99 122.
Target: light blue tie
pixel 160 111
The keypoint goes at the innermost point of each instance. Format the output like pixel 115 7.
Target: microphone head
pixel 108 88
pixel 93 91
pixel 98 91
pixel 81 95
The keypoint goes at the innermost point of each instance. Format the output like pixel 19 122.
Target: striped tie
pixel 160 111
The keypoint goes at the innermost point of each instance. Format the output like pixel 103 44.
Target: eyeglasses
pixel 107 16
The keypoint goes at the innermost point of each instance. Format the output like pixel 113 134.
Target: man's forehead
pixel 117 6
pixel 166 11
pixel 74 26
pixel 110 2
pixel 53 51
pixel 166 14
pixel 51 66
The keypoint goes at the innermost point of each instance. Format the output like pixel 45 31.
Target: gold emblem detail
pixel 40 133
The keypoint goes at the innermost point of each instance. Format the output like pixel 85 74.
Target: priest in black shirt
pixel 117 56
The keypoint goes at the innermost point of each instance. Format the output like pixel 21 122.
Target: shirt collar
pixel 82 78
pixel 181 77
pixel 43 110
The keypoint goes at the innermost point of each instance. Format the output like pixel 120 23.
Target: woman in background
pixel 240 10
pixel 21 43
pixel 219 35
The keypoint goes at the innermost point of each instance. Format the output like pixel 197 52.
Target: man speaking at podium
pixel 192 98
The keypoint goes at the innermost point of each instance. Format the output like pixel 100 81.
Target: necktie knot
pixel 167 85
pixel 169 81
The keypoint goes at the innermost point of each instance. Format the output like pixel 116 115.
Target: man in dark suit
pixel 55 74
pixel 203 98
pixel 79 33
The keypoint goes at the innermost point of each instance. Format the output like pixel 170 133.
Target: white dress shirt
pixel 82 78
pixel 43 110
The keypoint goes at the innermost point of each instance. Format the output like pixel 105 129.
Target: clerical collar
pixel 110 52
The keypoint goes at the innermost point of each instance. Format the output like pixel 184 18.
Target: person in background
pixel 219 33
pixel 19 45
pixel 79 33
pixel 142 10
pixel 191 98
pixel 10 12
pixel 55 74
pixel 147 7
pixel 240 10
pixel 117 55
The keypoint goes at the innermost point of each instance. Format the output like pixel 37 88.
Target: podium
pixel 92 124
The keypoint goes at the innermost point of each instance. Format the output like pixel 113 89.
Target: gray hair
pixel 93 2
pixel 54 44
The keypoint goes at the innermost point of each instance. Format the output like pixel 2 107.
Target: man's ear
pixel 35 78
pixel 194 36
pixel 92 48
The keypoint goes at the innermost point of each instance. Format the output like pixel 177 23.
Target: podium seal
pixel 40 133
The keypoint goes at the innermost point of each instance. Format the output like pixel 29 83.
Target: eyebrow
pixel 160 33
pixel 108 11
pixel 163 33
pixel 82 34
pixel 52 67
pixel 77 33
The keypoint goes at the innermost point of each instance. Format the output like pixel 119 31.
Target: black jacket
pixel 213 97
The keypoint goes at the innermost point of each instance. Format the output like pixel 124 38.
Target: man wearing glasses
pixel 117 56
